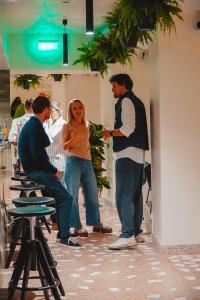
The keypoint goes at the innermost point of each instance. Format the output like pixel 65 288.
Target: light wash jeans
pixel 63 200
pixel 80 171
pixel 129 200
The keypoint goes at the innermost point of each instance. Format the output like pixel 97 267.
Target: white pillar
pixel 175 90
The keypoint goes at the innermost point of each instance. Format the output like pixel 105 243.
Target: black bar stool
pixel 32 257
pixel 19 225
pixel 21 178
pixel 26 188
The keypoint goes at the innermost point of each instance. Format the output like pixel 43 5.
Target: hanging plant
pixel 103 49
pixel 130 13
pixel 58 77
pixel 27 81
pixel 127 24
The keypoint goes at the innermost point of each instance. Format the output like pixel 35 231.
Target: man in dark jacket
pixel 32 143
pixel 130 140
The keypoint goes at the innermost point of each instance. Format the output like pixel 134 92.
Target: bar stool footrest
pixel 34 289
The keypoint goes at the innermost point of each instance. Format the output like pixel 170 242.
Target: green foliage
pixel 27 81
pixel 102 49
pixel 128 13
pixel 97 153
pixel 123 24
pixel 58 77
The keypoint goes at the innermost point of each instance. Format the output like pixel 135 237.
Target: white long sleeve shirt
pixel 55 150
pixel 16 127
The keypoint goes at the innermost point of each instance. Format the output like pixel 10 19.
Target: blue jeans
pixel 129 201
pixel 80 171
pixel 63 199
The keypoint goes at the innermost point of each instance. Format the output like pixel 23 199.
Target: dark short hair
pixel 39 104
pixel 122 79
pixel 28 104
pixel 14 105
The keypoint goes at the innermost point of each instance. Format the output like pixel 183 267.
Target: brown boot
pixel 102 229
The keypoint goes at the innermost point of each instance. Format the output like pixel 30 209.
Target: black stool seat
pixel 27 187
pixel 24 201
pixel 19 225
pixel 31 211
pixel 33 256
pixel 21 178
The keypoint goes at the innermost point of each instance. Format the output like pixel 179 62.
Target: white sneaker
pixel 140 238
pixel 123 243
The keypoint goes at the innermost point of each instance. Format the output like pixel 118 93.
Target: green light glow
pixel 43 54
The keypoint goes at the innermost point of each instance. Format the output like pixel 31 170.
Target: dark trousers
pixel 129 200
pixel 63 199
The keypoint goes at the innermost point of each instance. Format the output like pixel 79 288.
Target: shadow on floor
pixel 29 295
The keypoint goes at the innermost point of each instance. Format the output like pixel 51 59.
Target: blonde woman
pixel 79 169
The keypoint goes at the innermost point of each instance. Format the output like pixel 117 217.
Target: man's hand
pixel 106 134
pixel 58 175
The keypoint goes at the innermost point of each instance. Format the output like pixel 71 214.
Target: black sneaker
pixel 70 243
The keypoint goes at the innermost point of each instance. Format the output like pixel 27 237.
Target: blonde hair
pixel 70 116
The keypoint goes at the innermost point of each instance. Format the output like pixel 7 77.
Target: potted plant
pixel 97 153
pixel 129 13
pixel 58 77
pixel 126 24
pixel 104 49
pixel 27 81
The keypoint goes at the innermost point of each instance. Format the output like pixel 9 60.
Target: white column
pixel 175 90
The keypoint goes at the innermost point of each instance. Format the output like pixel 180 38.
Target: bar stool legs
pixel 18 230
pixel 49 257
pixel 31 258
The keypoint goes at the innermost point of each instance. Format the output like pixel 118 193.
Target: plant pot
pixel 146 25
pixel 111 60
pixel 94 65
pixel 57 77
pixel 26 85
pixel 131 42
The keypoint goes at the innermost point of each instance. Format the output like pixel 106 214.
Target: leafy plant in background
pixel 97 153
pixel 126 26
pixel 27 81
pixel 130 13
pixel 58 77
pixel 102 50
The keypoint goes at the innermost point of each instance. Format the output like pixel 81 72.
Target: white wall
pixel 176 127
pixel 83 86
pixel 86 88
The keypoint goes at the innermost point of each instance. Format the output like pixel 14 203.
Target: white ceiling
pixel 30 15
pixel 33 16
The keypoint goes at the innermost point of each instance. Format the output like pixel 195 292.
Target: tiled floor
pixel 96 273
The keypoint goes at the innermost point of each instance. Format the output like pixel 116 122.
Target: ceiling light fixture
pixel 89 17
pixel 65 44
pixel 47 42
pixel 47 45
